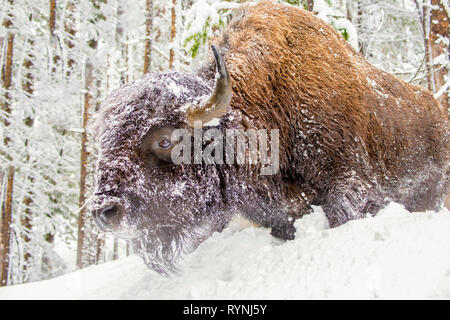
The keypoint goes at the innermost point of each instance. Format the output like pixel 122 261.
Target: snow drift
pixel 396 254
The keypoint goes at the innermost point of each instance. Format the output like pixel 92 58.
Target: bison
pixel 351 138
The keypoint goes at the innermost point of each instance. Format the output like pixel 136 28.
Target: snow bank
pixel 394 255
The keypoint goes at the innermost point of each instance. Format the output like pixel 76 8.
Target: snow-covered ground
pixel 393 255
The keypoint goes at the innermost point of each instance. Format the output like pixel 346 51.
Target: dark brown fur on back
pixel 350 132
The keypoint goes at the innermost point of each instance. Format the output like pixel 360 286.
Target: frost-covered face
pixel 166 209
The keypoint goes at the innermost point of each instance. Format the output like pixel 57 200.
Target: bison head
pixel 165 209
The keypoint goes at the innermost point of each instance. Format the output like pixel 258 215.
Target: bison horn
pixel 218 102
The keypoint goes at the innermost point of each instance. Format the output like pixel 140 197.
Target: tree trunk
pixel 148 36
pixel 100 248
pixel 173 31
pixel 115 249
pixel 439 25
pixel 69 28
pixel 5 230
pixel 425 19
pixel 82 217
pixel 52 17
pixel 7 72
pixel 25 220
pixel 360 14
pixel 52 26
pixel 6 215
pixel 435 24
pixel 120 37
pixel 88 246
pixel 27 81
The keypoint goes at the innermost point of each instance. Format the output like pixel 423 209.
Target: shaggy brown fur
pixel 352 137
pixel 343 122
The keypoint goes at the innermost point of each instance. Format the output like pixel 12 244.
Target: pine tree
pixel 6 216
pixel 173 30
pixel 435 25
pixel 25 220
pixel 69 28
pixel 148 35
pixel 52 26
pixel 82 217
pixel 438 40
pixel 88 244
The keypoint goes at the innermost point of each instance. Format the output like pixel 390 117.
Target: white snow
pixel 345 24
pixel 201 12
pixel 396 254
pixel 336 18
pixel 176 89
pixel 442 89
pixel 212 123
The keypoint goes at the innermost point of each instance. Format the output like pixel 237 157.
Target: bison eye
pixel 164 143
pixel 158 144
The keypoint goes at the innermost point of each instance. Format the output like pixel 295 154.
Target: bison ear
pixel 217 104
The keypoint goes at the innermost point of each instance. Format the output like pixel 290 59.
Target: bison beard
pixel 352 138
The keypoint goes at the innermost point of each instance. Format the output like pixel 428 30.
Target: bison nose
pixel 108 218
